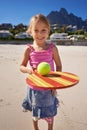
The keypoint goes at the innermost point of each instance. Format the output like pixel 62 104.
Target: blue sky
pixel 20 11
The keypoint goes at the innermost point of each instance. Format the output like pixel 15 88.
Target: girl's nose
pixel 40 32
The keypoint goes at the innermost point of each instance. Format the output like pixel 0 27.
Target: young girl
pixel 42 103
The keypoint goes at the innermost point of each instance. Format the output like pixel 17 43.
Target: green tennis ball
pixel 43 68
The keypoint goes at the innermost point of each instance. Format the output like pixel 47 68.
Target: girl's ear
pixel 30 32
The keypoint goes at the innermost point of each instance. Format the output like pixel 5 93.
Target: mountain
pixel 64 18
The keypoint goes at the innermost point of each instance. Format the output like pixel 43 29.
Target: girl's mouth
pixel 40 38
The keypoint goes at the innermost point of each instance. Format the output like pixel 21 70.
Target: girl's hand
pixel 30 70
pixel 54 92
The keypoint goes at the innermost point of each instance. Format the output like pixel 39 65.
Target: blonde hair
pixel 37 18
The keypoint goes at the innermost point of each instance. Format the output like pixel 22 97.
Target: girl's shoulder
pixel 30 47
pixel 53 48
pixel 27 49
pixel 51 45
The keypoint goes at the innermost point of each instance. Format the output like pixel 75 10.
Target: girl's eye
pixel 43 30
pixel 36 30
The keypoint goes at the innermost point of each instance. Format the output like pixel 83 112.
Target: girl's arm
pixel 58 64
pixel 57 59
pixel 24 62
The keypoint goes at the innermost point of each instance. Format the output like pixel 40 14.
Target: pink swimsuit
pixel 40 56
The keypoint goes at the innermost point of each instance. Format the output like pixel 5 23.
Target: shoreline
pixel 13 42
pixel 57 42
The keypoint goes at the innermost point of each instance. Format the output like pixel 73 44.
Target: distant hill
pixel 63 17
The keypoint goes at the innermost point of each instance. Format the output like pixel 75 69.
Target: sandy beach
pixel 72 112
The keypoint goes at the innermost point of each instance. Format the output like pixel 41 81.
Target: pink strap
pixel 30 46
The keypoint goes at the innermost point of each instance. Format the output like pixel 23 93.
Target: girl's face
pixel 40 32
